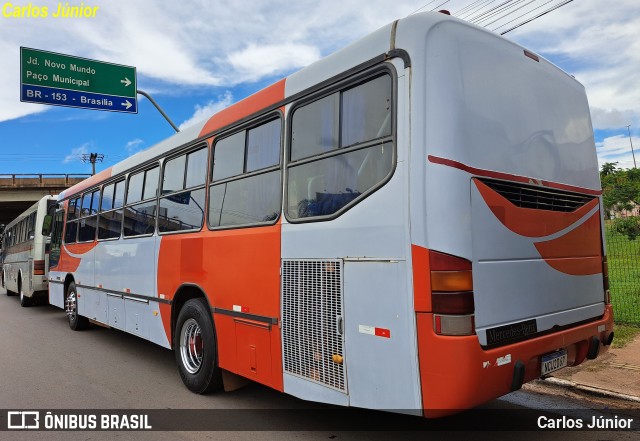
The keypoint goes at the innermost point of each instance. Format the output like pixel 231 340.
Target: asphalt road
pixel 45 365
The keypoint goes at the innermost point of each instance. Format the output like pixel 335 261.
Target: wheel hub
pixel 191 346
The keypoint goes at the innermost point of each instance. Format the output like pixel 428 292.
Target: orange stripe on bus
pixel 577 252
pixel 529 222
pixel 248 106
pixel 95 179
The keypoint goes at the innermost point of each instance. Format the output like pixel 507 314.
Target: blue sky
pixel 196 57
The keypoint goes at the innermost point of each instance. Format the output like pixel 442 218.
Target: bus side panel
pixel 84 277
pixel 16 267
pixel 127 268
pixel 239 272
pixel 56 291
pixel 380 339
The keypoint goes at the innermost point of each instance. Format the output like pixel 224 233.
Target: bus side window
pixel 140 217
pixel 89 221
pixel 31 226
pixel 71 229
pixel 182 199
pixel 246 186
pixel 110 219
pixel 360 162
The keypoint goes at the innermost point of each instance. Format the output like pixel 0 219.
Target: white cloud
pixel 613 118
pixel 76 154
pixel 255 62
pixel 600 45
pixel 203 112
pixel 618 149
pixel 178 44
pixel 134 146
pixel 194 44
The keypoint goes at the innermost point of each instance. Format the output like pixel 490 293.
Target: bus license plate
pixel 553 362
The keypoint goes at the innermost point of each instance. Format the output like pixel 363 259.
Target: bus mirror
pixel 46 225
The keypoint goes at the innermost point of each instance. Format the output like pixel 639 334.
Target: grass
pixel 624 334
pixel 623 257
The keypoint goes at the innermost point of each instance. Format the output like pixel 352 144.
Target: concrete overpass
pixel 19 191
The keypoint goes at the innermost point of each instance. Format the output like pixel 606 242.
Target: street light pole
pixel 632 154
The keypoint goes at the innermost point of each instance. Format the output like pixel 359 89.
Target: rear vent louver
pixel 540 198
pixel 311 320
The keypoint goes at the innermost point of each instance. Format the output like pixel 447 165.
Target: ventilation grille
pixel 540 198
pixel 311 317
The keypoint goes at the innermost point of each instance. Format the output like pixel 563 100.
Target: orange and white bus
pixel 412 224
pixel 25 253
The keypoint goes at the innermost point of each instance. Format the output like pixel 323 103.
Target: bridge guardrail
pixel 16 180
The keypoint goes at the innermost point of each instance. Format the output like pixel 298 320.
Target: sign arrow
pixel 126 82
pixel 126 104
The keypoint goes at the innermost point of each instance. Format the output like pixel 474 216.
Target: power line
pixel 421 8
pixel 440 5
pixel 536 17
pixel 520 16
pixel 486 12
pixel 469 7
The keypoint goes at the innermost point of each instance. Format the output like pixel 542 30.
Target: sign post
pixel 63 80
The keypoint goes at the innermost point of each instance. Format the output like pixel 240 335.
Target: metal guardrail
pixel 40 179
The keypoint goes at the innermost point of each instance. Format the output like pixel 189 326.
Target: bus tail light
pixel 451 294
pixel 605 280
pixel 38 267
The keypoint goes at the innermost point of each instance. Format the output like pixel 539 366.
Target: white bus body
pixel 25 252
pixel 434 242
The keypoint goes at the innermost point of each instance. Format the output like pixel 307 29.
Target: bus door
pixel 56 285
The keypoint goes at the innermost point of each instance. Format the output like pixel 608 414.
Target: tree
pixel 621 191
pixel 621 188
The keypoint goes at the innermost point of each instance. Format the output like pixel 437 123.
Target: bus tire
pixel 24 300
pixel 76 321
pixel 196 349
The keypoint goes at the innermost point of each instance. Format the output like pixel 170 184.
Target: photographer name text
pixel 62 10
pixel 599 422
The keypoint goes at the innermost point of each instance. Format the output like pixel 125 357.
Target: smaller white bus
pixel 25 254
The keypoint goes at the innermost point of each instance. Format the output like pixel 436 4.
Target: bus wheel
pixel 76 322
pixel 195 348
pixel 24 300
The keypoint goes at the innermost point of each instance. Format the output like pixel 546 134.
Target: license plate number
pixel 554 361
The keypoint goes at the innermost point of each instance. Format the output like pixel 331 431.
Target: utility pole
pixel 92 158
pixel 632 154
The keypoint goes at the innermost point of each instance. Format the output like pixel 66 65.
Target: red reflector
pixel 452 302
pixel 454 324
pixel 38 267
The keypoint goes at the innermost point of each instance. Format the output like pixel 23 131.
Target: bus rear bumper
pixel 456 373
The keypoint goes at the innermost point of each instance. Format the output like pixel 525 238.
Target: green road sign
pixel 48 69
